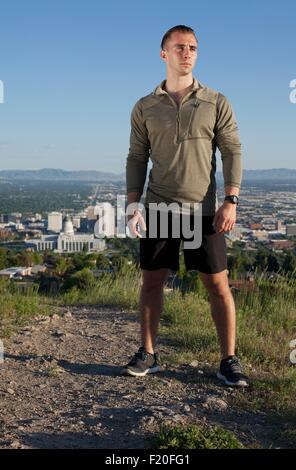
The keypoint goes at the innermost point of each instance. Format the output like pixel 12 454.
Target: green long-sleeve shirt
pixel 181 142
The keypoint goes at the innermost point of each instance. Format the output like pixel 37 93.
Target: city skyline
pixel 72 71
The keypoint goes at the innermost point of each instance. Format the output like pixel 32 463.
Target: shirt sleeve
pixel 139 151
pixel 228 142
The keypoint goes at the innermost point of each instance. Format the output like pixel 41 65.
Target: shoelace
pixel 139 355
pixel 235 365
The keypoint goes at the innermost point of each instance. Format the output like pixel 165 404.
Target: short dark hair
pixel 181 28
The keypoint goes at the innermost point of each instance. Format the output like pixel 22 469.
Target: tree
pixel 62 265
pixel 102 261
pixel 37 257
pixel 3 258
pixel 83 279
pixel 289 264
pixel 272 263
pixel 25 258
pixel 118 261
pixel 261 259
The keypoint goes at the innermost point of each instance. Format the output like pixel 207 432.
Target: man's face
pixel 180 53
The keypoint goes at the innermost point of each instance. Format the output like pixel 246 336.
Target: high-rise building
pixel 102 216
pixel 92 213
pixel 290 229
pixel 76 222
pixel 55 222
pixel 105 225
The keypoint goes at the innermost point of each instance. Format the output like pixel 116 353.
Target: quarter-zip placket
pixel 178 113
pixel 177 116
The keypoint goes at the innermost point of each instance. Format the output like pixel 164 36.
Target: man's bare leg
pixel 222 309
pixel 151 304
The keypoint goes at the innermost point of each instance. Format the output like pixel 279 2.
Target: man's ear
pixel 163 54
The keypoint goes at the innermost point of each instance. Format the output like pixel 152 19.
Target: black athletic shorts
pixel 157 252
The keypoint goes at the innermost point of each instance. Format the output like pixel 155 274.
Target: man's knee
pixel 154 279
pixel 219 290
pixel 217 284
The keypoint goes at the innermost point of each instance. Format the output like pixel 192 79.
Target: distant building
pixel 236 233
pixel 260 234
pixel 92 212
pixel 76 222
pixel 101 219
pixel 290 229
pixel 281 244
pixel 36 225
pixel 68 228
pixel 105 226
pixel 4 218
pixel 44 243
pixel 84 228
pixel 55 222
pixel 15 271
pixel 38 268
pixel 242 284
pixel 255 226
pixel 14 217
pixel 68 241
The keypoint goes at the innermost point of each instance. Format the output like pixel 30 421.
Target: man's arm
pixel 228 190
pixel 136 168
pixel 138 156
pixel 227 139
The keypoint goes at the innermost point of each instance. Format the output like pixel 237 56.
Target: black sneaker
pixel 142 363
pixel 231 373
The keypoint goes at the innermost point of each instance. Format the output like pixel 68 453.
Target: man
pixel 179 126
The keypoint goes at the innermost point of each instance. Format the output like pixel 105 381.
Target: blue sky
pixel 73 69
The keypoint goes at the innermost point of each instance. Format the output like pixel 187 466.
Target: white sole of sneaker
pixel 152 370
pixel 240 383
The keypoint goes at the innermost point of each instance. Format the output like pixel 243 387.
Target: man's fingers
pixel 226 226
pixel 134 223
pixel 132 228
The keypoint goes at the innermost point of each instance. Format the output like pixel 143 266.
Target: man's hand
pixel 225 217
pixel 134 221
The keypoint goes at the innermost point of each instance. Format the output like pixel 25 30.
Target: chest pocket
pixel 201 122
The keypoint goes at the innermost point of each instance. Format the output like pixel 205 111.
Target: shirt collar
pixel 160 91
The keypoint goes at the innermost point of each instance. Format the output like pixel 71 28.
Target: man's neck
pixel 178 84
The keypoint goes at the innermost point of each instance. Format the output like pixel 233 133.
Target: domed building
pixel 68 241
pixel 67 226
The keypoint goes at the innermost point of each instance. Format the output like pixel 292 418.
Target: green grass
pixel 121 290
pixel 263 335
pixel 17 308
pixel 196 437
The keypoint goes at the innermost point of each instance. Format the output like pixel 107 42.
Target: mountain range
pixel 53 174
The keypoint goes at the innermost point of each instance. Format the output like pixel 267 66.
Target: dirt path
pixel 60 387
